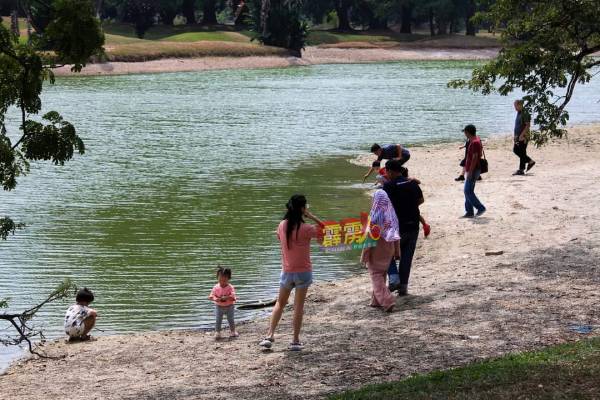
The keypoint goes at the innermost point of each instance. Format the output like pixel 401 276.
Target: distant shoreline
pixel 311 56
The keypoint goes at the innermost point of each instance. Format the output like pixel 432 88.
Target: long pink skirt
pixel 378 261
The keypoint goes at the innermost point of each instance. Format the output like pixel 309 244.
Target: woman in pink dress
pixel 377 259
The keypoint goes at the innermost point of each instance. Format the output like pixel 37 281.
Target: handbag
pixel 483 163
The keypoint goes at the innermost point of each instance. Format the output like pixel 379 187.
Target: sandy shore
pixel 463 305
pixel 311 56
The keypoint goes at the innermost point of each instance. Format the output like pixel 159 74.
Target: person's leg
pixel 473 200
pixel 526 159
pixel 381 294
pixel 219 314
pixel 408 244
pixel 299 298
pixel 393 277
pixel 282 299
pixel 230 318
pixel 89 323
pixel 520 149
pixel 469 190
pixel 517 151
pixel 404 159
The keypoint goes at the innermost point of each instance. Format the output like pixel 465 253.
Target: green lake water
pixel 185 171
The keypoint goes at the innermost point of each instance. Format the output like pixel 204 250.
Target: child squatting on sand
pixel 80 318
pixel 223 294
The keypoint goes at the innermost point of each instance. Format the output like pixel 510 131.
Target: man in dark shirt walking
pixel 522 125
pixel 406 197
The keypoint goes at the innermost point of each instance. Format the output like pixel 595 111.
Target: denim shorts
pixel 298 280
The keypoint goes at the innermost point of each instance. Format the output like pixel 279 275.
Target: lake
pixel 187 171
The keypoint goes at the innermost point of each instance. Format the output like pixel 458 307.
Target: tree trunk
pixel 431 23
pixel 240 12
pixel 209 14
pixel 188 9
pixel 378 23
pixel 167 17
pixel 343 10
pixel 470 12
pixel 265 8
pixel 98 8
pixel 442 26
pixel 406 19
pixel 14 23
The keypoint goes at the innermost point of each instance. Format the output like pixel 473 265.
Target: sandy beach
pixel 361 53
pixel 515 279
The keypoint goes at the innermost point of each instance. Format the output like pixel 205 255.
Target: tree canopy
pixel 547 50
pixel 71 35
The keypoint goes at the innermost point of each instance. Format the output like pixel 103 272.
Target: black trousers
pixel 520 149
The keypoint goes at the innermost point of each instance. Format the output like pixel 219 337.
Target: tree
pixel 73 35
pixel 141 13
pixel 279 23
pixel 470 8
pixel 168 9
pixel 21 321
pixel 547 48
pixel 209 12
pixel 342 9
pixel 318 9
pixel 189 11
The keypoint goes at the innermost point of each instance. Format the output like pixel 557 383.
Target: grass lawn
pixel 569 371
pixel 332 37
pixel 179 33
pixel 180 42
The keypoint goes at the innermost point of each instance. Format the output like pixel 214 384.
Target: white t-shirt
pixel 74 317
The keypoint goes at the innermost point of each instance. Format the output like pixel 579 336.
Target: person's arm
pixel 415 180
pixel 368 174
pixel 311 216
pixel 212 295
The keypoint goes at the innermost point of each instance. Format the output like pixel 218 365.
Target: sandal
pixel 266 342
pixel 296 346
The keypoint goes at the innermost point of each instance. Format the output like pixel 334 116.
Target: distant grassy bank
pixel 192 41
pixel 569 371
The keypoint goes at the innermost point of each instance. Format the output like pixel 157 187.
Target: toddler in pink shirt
pixel 223 295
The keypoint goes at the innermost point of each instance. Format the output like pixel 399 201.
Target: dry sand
pixel 463 305
pixel 311 56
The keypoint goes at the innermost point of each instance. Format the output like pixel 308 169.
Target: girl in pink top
pixel 223 294
pixel 296 269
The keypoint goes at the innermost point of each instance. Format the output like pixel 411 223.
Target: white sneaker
pixel 266 343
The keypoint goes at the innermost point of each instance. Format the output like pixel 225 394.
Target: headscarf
pixel 383 214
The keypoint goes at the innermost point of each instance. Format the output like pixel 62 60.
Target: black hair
pixel 395 165
pixel 294 215
pixel 224 271
pixel 375 147
pixel 404 172
pixel 84 295
pixel 470 129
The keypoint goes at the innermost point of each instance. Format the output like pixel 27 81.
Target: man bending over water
pixel 387 152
